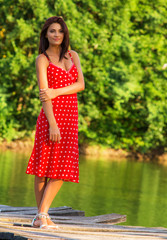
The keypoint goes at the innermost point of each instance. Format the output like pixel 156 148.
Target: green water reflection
pixel 127 187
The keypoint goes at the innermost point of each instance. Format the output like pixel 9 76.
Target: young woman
pixel 54 158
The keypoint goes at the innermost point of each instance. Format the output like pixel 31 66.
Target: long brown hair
pixel 44 43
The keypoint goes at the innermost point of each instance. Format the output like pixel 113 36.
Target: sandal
pixel 38 217
pixel 51 226
pixel 34 219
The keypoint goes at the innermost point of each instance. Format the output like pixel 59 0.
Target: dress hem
pixel 66 180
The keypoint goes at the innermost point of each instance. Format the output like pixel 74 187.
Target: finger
pixel 50 137
pixel 42 99
pixel 56 138
pixel 59 138
pixel 43 89
pixel 42 94
pixel 53 138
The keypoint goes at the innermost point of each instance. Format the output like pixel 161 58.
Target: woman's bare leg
pixel 45 192
pixel 39 187
pixel 51 190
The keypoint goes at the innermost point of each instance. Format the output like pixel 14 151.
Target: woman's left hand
pixel 47 94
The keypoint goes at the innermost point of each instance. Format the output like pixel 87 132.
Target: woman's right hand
pixel 54 133
pixel 47 94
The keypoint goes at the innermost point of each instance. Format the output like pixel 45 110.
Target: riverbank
pixel 94 151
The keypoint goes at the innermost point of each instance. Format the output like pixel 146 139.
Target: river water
pixel 136 189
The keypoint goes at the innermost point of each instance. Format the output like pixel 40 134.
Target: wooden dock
pixel 15 223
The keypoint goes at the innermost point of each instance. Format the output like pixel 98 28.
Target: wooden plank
pixel 28 236
pixel 13 209
pixel 69 212
pixel 1 206
pixel 96 228
pixel 107 218
pixel 59 211
pixel 90 233
pixel 18 234
pixel 76 220
pixel 21 218
pixel 17 220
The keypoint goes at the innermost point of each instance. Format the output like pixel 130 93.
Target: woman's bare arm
pixel 79 85
pixel 41 70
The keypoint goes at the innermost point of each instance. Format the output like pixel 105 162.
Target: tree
pixel 122 47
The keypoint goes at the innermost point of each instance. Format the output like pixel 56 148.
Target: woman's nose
pixel 56 34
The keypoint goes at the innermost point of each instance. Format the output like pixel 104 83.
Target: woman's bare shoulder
pixel 41 59
pixel 75 56
pixel 73 53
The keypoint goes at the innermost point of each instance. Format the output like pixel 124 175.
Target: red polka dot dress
pixel 51 159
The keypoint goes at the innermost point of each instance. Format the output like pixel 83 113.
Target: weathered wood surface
pixel 59 211
pixel 64 215
pixel 17 226
pixel 71 232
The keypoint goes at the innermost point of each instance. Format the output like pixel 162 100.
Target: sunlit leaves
pixel 122 47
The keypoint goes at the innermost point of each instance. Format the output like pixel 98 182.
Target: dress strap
pixel 70 55
pixel 46 57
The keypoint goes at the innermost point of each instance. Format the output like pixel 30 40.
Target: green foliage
pixel 122 46
pixel 8 124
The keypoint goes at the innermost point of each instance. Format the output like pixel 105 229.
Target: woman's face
pixel 55 34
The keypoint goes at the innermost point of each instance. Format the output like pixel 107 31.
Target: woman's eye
pixel 61 31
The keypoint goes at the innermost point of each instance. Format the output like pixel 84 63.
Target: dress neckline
pixel 62 68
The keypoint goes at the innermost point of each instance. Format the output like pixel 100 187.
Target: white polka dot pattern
pixel 58 160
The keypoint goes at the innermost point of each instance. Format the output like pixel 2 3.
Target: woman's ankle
pixel 42 213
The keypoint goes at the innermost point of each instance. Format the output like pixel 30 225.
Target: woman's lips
pixel 56 39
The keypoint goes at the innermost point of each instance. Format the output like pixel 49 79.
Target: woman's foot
pixel 40 221
pixel 50 223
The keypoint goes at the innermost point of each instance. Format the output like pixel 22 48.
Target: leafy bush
pixel 122 46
